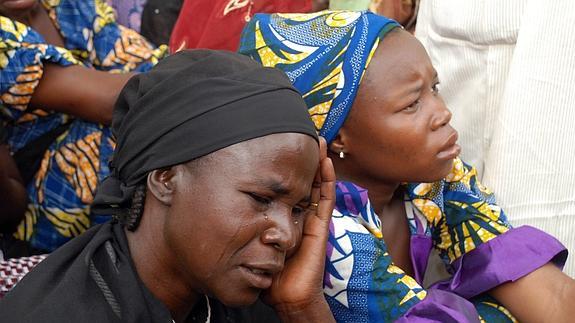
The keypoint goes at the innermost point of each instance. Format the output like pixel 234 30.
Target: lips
pixel 450 149
pixel 260 275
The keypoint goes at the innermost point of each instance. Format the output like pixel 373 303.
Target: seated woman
pixel 373 94
pixel 62 66
pixel 211 205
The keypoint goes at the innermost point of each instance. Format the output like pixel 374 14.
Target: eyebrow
pixel 277 187
pixel 414 86
pixel 415 89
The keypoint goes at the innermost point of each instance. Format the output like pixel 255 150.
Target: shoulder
pixel 55 288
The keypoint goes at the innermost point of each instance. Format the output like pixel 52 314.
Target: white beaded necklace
pixel 208 319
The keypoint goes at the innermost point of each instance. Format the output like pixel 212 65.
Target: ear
pixel 161 184
pixel 339 143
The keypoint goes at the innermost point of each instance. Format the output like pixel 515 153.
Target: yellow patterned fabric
pixel 455 215
pixel 325 55
pixel 64 185
pixel 460 211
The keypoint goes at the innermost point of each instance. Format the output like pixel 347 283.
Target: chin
pixel 239 299
pixel 444 169
pixel 436 172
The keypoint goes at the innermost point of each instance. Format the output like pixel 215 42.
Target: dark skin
pixel 90 94
pixel 404 127
pixel 255 233
pixel 398 10
pixel 398 131
pixel 319 5
pixel 12 192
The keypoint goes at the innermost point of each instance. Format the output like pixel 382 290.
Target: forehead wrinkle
pixel 267 178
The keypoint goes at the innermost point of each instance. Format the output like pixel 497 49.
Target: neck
pixel 156 266
pixel 381 193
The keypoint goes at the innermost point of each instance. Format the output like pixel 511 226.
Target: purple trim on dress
pixel 441 306
pixel 418 225
pixel 349 205
pixel 506 258
pixel 328 254
pixel 419 252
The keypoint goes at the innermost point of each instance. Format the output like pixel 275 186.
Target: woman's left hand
pixel 297 291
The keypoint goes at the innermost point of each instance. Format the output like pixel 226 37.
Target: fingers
pixel 327 190
pixel 323 190
pixel 307 264
pixel 327 184
pixel 316 186
pixel 322 149
pixel 316 227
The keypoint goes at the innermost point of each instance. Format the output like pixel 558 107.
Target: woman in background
pixel 373 93
pixel 63 64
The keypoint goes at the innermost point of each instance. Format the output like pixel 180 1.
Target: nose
pixel 281 232
pixel 441 115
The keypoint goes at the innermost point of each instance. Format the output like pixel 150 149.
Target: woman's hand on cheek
pixel 297 291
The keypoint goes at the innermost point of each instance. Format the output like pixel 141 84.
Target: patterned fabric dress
pixel 459 218
pixel 325 55
pixel 63 188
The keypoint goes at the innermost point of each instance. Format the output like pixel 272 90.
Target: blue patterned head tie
pixel 325 55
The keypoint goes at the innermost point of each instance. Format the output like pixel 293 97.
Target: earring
pixel 341 155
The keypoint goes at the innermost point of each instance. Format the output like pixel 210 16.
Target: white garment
pixel 507 72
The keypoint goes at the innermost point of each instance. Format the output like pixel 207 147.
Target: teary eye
pixel 298 211
pixel 260 199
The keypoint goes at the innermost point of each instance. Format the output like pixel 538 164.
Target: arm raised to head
pixel 297 291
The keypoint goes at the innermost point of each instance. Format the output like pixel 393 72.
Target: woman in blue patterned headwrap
pixel 391 136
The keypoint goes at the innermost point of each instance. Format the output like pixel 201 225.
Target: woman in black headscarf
pixel 211 206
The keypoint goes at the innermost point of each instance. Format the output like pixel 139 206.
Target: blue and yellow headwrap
pixel 325 55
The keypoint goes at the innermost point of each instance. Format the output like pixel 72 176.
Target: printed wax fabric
pixel 63 188
pixel 460 219
pixel 518 128
pixel 217 24
pixel 325 55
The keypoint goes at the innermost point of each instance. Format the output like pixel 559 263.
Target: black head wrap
pixel 191 104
